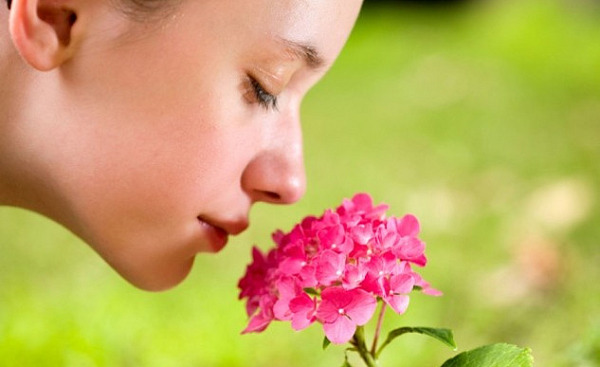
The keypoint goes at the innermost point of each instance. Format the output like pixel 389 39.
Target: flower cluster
pixel 333 269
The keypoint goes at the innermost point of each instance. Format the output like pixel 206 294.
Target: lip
pixel 217 236
pixel 218 233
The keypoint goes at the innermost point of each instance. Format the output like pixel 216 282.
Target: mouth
pixel 218 233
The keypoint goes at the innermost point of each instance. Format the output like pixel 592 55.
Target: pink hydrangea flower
pixel 332 270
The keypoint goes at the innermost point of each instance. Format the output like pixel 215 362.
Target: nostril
pixel 272 195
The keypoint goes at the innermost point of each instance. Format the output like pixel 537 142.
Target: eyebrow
pixel 303 51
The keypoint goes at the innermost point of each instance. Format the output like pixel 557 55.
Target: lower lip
pixel 217 237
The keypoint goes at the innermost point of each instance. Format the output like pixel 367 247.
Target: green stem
pixel 359 342
pixel 378 328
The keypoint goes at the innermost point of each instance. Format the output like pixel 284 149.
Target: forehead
pixel 317 25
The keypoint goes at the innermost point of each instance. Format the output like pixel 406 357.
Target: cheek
pixel 155 174
pixel 135 167
pixel 162 140
pixel 136 195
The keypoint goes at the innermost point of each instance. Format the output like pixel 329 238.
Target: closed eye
pixel 264 98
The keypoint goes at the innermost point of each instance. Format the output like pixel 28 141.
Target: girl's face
pixel 159 137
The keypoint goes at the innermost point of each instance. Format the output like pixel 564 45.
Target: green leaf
pixel 326 343
pixel 443 335
pixel 494 355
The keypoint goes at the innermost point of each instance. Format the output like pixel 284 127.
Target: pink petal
pixel 308 277
pixel 362 233
pixel 301 303
pixel 291 265
pixel 329 218
pixel 432 291
pixel 331 236
pixel 346 246
pixel 409 248
pixel 308 221
pixel 402 283
pixel 426 287
pixel 301 321
pixel 330 267
pixel 252 305
pixel 287 288
pixel 278 236
pixel 353 276
pixel 340 331
pixel 398 302
pixel 281 310
pixel 258 323
pixel 389 240
pixel 303 311
pixel 420 261
pixel 382 265
pixel 378 212
pixel 294 249
pixel 408 226
pixel 373 285
pixel 332 299
pixel 327 312
pixel 363 201
pixel 257 255
pixel 362 306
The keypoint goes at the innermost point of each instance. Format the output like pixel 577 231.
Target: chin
pixel 145 259
pixel 156 279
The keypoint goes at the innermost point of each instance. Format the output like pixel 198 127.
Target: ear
pixel 42 31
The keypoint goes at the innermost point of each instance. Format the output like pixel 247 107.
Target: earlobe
pixel 42 31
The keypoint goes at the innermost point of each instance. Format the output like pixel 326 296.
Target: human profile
pixel 149 128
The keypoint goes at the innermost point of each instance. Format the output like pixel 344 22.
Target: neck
pixel 26 162
pixel 6 49
pixel 15 175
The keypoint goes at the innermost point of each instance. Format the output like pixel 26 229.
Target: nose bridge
pixel 276 174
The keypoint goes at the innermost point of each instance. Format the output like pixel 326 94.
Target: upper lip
pixel 232 227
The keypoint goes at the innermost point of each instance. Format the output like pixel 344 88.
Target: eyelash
pixel 264 98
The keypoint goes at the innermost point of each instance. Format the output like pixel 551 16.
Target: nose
pixel 276 174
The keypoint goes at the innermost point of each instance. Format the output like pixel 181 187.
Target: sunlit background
pixel 482 118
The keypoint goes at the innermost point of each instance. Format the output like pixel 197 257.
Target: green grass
pixel 483 121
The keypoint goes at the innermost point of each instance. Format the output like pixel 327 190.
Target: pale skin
pixel 151 140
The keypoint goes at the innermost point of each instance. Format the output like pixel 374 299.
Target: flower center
pixel 338 273
pixel 341 311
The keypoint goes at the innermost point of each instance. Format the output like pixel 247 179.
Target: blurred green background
pixel 482 118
